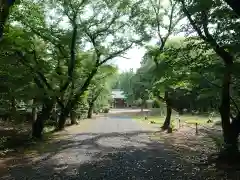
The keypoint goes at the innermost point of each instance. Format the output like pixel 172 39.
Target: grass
pixel 209 138
pixel 189 119
pixel 156 119
pixel 193 119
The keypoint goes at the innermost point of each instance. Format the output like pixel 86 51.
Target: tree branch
pixel 93 41
pixel 40 75
pixel 95 96
pixel 72 61
pixel 184 8
pixel 107 27
pixel 226 56
pixel 54 41
pixel 115 54
pixel 81 90
pixel 169 29
pixel 156 11
pixel 233 101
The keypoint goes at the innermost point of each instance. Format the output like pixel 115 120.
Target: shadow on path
pixel 109 156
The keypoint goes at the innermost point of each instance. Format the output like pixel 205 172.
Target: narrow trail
pixel 109 148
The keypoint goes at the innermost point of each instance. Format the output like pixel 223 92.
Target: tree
pixel 103 31
pixel 200 69
pixel 167 76
pixel 17 86
pixel 189 71
pixel 19 47
pixel 126 84
pixel 4 13
pixel 100 86
pixel 105 23
pixel 158 12
pixel 201 15
pixel 142 82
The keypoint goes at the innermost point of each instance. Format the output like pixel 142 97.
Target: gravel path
pixel 112 148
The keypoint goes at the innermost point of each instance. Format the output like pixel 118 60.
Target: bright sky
pixel 134 55
pixel 132 60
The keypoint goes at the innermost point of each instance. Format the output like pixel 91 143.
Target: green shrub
pixel 105 110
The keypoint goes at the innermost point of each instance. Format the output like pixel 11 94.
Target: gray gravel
pixel 114 148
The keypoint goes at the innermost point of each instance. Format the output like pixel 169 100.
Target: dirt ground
pixel 114 146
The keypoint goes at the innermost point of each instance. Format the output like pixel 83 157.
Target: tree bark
pixel 72 102
pixel 167 122
pixel 72 61
pixel 225 110
pixel 38 125
pixel 80 92
pixel 62 119
pixel 73 117
pixel 34 111
pixel 90 111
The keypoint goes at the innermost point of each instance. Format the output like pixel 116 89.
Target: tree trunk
pixel 62 119
pixel 167 122
pixel 230 140
pixel 230 133
pixel 38 125
pixel 73 117
pixel 34 111
pixel 90 111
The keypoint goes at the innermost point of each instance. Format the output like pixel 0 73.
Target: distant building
pixel 119 99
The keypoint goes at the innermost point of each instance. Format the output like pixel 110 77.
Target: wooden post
pixel 196 128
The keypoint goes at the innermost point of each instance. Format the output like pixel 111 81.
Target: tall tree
pixel 102 33
pixel 163 17
pixel 201 15
pixel 100 85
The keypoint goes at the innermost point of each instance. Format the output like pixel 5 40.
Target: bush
pixel 156 104
pixel 105 110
